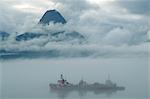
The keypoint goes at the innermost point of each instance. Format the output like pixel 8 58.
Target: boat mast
pixel 108 76
pixel 61 76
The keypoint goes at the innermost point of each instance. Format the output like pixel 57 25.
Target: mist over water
pixel 29 79
pixel 116 43
pixel 0 80
pixel 149 82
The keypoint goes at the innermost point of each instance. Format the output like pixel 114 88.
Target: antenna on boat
pixel 61 76
pixel 82 78
pixel 108 76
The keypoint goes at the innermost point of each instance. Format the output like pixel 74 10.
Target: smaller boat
pixel 64 85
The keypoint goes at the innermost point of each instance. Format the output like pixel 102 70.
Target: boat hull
pixel 84 88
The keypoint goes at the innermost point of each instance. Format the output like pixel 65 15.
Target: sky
pixel 103 22
pixel 98 12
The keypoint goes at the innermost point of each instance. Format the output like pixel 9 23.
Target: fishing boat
pixel 64 85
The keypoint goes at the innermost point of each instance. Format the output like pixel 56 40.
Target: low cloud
pixel 135 6
pixel 107 29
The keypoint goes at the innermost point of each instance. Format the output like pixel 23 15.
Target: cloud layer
pixel 110 26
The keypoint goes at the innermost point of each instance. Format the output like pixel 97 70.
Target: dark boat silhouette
pixel 64 85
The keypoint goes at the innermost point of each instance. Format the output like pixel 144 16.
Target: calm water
pixel 29 79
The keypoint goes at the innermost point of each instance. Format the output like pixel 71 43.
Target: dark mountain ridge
pixel 4 35
pixel 52 16
pixel 55 17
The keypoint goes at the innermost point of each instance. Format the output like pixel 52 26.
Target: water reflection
pixel 63 94
pixel 31 78
pixel 63 87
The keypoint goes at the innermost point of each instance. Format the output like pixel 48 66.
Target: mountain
pixel 4 35
pixel 67 36
pixel 29 35
pixel 60 36
pixel 52 16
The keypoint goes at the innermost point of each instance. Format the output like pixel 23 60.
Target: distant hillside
pixel 52 16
